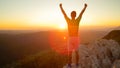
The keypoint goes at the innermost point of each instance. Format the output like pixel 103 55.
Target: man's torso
pixel 73 27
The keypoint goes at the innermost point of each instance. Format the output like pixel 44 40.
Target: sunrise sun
pixel 62 26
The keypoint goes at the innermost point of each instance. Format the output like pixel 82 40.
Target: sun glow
pixel 64 38
pixel 35 14
pixel 62 26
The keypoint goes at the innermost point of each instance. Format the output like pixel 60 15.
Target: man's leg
pixel 70 58
pixel 77 57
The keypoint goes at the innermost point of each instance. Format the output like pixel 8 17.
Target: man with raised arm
pixel 73 28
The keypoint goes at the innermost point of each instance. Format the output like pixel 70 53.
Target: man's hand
pixel 60 4
pixel 85 5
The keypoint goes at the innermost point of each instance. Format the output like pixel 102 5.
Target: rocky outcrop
pixel 116 64
pixel 100 54
pixel 103 53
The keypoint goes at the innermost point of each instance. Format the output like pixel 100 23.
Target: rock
pixel 116 64
pixel 100 54
pixel 72 66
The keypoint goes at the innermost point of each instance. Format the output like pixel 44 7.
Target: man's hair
pixel 73 14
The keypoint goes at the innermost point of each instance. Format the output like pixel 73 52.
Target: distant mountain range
pixel 117 28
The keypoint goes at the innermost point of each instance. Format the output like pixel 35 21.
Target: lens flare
pixel 58 42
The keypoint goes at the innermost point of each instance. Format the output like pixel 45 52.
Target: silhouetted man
pixel 73 27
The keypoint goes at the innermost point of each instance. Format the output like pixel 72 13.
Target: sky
pixel 46 14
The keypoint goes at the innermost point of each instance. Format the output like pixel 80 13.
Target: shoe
pixel 69 66
pixel 77 66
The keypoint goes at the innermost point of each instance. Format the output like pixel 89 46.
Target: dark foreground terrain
pixel 32 49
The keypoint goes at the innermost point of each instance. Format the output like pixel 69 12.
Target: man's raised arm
pixel 80 15
pixel 63 11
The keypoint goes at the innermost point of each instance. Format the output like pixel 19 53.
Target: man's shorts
pixel 73 43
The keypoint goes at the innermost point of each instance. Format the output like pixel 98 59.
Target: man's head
pixel 73 14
